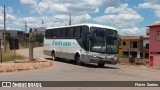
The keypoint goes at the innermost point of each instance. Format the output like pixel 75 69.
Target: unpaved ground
pixel 20 65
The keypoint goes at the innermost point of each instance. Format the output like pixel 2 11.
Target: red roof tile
pixel 130 37
pixel 153 25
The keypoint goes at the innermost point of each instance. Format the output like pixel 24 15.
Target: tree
pixel 39 38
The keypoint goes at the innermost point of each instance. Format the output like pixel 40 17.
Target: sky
pixel 130 17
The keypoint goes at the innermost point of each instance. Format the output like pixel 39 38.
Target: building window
pixel 9 34
pixel 146 55
pixel 133 44
pixel 147 46
pixel 124 43
pixel 158 35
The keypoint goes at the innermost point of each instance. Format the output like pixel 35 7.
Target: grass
pixel 9 55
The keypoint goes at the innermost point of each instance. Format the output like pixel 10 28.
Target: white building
pixel 39 31
pixel 13 34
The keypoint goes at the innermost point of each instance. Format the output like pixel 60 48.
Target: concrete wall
pixel 145 42
pixel 128 48
pixel 154 45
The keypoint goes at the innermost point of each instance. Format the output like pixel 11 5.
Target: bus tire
pixel 53 56
pixel 77 60
pixel 101 64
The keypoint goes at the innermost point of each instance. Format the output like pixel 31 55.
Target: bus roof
pixel 89 25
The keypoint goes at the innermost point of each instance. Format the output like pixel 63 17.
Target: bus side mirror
pixel 114 38
pixel 90 37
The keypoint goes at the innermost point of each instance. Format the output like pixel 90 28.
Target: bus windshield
pixel 104 40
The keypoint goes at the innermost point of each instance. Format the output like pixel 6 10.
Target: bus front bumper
pixel 112 61
pixel 94 59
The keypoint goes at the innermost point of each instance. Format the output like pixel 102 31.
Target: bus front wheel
pixel 101 64
pixel 53 56
pixel 77 60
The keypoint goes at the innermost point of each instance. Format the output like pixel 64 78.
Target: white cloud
pixel 58 8
pixel 123 8
pixel 9 10
pixel 135 31
pixel 68 6
pixel 10 17
pixel 76 19
pixel 117 15
pixel 153 1
pixel 29 3
pixel 79 9
pixel 151 4
pixel 82 19
pixel 120 17
pixel 42 7
pixel 97 10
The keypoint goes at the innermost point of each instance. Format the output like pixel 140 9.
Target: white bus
pixel 84 43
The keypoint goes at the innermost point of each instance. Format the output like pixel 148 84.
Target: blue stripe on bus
pixel 61 43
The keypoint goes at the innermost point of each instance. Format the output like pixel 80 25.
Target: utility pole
pixel 26 33
pixel 5 46
pixel 31 44
pixel 42 23
pixel 70 19
pixel 25 26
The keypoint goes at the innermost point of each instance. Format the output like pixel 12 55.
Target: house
pixel 145 47
pixel 39 31
pixel 131 45
pixel 13 34
pixel 135 46
pixel 154 45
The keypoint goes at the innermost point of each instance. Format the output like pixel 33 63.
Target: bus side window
pixel 85 33
pixel 77 32
pixel 57 33
pixel 46 34
pixel 62 32
pixel 52 33
pixel 69 32
pixel 74 32
pixel 49 34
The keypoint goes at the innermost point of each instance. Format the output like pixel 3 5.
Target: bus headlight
pixel 94 56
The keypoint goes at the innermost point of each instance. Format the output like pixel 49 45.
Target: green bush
pixel 39 38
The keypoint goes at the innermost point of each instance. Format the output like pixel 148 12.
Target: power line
pixel 10 14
